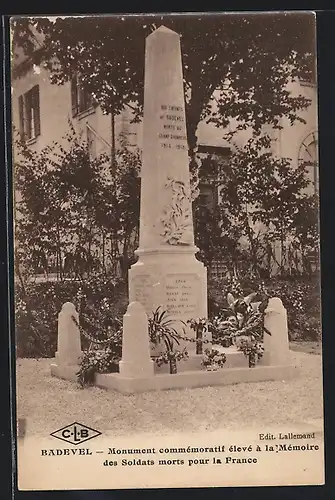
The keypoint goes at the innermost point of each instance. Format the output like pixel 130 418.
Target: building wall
pixel 56 111
pixel 290 138
pixel 285 142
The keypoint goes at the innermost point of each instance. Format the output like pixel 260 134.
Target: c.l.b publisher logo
pixel 75 433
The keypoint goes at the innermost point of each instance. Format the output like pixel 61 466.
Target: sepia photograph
pixel 166 250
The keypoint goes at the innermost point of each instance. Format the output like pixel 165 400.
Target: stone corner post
pixel 69 343
pixel 136 361
pixel 276 345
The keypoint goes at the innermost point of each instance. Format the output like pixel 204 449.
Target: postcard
pixel 166 246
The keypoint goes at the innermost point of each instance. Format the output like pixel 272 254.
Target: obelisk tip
pixel 163 30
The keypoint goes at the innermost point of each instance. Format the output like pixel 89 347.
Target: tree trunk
pixel 252 360
pixel 193 113
pixel 59 256
pixel 125 258
pixel 198 338
pixel 252 245
pixel 103 253
pixel 114 251
pixel 173 366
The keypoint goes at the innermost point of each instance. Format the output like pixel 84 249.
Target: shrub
pixel 301 299
pixel 95 361
pixel 304 326
pixel 99 300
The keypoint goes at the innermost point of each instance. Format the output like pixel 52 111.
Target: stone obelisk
pixel 167 273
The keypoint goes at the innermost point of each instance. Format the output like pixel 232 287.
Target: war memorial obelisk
pixel 167 273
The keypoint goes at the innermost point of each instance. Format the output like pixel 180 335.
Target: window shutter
pixel 89 100
pixel 28 114
pixel 21 117
pixel 74 95
pixel 36 106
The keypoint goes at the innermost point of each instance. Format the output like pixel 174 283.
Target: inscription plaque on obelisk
pixel 167 274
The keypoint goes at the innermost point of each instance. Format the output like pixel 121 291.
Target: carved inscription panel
pixel 172 134
pixel 142 291
pixel 182 294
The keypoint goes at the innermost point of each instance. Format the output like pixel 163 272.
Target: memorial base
pixel 234 359
pixel 193 379
pixel 65 372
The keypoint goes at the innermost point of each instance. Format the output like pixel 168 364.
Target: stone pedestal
pixel 167 273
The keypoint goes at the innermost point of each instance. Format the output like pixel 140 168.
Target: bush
pixel 37 306
pixel 303 326
pixel 96 361
pixel 101 299
pixel 301 299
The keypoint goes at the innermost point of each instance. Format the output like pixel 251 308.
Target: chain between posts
pixel 103 342
pixel 89 337
pixel 233 333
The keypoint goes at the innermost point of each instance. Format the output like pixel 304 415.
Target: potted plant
pixel 162 330
pixel 171 357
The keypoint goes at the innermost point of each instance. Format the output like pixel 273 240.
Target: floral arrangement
pixel 96 361
pixel 245 325
pixel 240 324
pixel 171 358
pixel 213 359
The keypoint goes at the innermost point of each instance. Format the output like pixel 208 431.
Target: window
pixel 81 99
pixel 308 155
pixel 215 160
pixel 29 111
pixel 207 196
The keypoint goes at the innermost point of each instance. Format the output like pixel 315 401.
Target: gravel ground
pixel 49 403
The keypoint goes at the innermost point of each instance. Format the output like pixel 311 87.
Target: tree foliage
pixel 241 63
pixel 67 201
pixel 263 200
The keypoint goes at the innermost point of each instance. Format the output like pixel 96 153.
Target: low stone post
pixel 276 345
pixel 69 344
pixel 136 361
